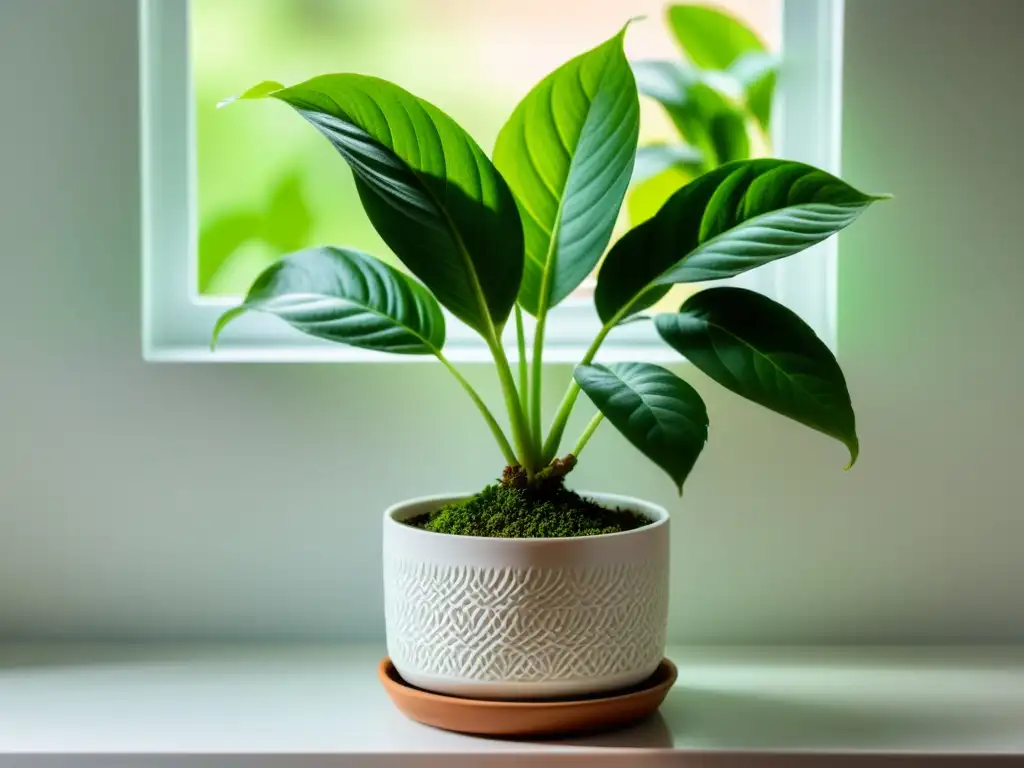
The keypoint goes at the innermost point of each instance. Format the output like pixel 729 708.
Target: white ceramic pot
pixel 525 618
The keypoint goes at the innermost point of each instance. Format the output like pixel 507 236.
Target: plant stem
pixel 537 374
pixel 591 428
pixel 499 435
pixel 536 394
pixel 524 376
pixel 569 400
pixel 520 432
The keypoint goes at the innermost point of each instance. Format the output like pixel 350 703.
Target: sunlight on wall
pixel 268 184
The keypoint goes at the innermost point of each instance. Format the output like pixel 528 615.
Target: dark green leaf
pixel 704 106
pixel 710 38
pixel 567 153
pixel 654 409
pixel 736 218
pixel 761 350
pixel 637 319
pixel 346 296
pixel 428 188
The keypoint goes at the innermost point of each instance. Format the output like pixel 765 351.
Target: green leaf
pixel 567 153
pixel 705 107
pixel 656 158
pixel 285 226
pixel 727 132
pixel 258 91
pixel 349 297
pixel 654 409
pixel 764 352
pixel 237 272
pixel 736 218
pixel 219 239
pixel 288 221
pixel 648 196
pixel 660 170
pixel 710 38
pixel 427 187
pixel 756 72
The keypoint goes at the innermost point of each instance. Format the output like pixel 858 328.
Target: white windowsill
pixel 322 705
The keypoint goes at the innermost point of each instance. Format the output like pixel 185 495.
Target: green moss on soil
pixel 505 512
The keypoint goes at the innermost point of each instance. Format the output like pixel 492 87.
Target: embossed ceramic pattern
pixel 525 618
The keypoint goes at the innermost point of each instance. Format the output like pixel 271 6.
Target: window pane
pixel 268 183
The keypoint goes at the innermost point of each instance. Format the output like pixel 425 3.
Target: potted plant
pixel 527 589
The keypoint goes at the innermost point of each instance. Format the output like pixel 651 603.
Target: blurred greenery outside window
pixel 268 184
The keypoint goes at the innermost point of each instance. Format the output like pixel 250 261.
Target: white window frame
pixel 177 321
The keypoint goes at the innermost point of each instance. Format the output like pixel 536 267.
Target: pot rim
pixel 658 513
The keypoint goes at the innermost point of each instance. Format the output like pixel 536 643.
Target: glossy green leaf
pixel 710 38
pixel 706 108
pixel 654 409
pixel 567 153
pixel 763 351
pixel 349 297
pixel 427 187
pixel 733 219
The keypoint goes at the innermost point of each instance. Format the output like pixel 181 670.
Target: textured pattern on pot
pixel 525 618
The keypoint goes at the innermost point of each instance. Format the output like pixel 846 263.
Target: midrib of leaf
pixel 653 410
pixel 550 232
pixel 369 310
pixel 813 422
pixel 478 292
pixel 751 222
pixel 418 175
pixel 546 275
pixel 761 355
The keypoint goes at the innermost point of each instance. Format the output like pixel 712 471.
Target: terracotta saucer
pixel 602 712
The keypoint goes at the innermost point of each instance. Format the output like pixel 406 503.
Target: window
pixel 227 192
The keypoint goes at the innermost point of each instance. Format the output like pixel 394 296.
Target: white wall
pixel 139 500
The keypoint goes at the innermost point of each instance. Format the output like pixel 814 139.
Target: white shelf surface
pixel 322 705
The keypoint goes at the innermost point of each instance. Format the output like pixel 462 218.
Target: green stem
pixel 591 428
pixel 537 373
pixel 536 394
pixel 569 400
pixel 520 432
pixel 499 435
pixel 524 386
